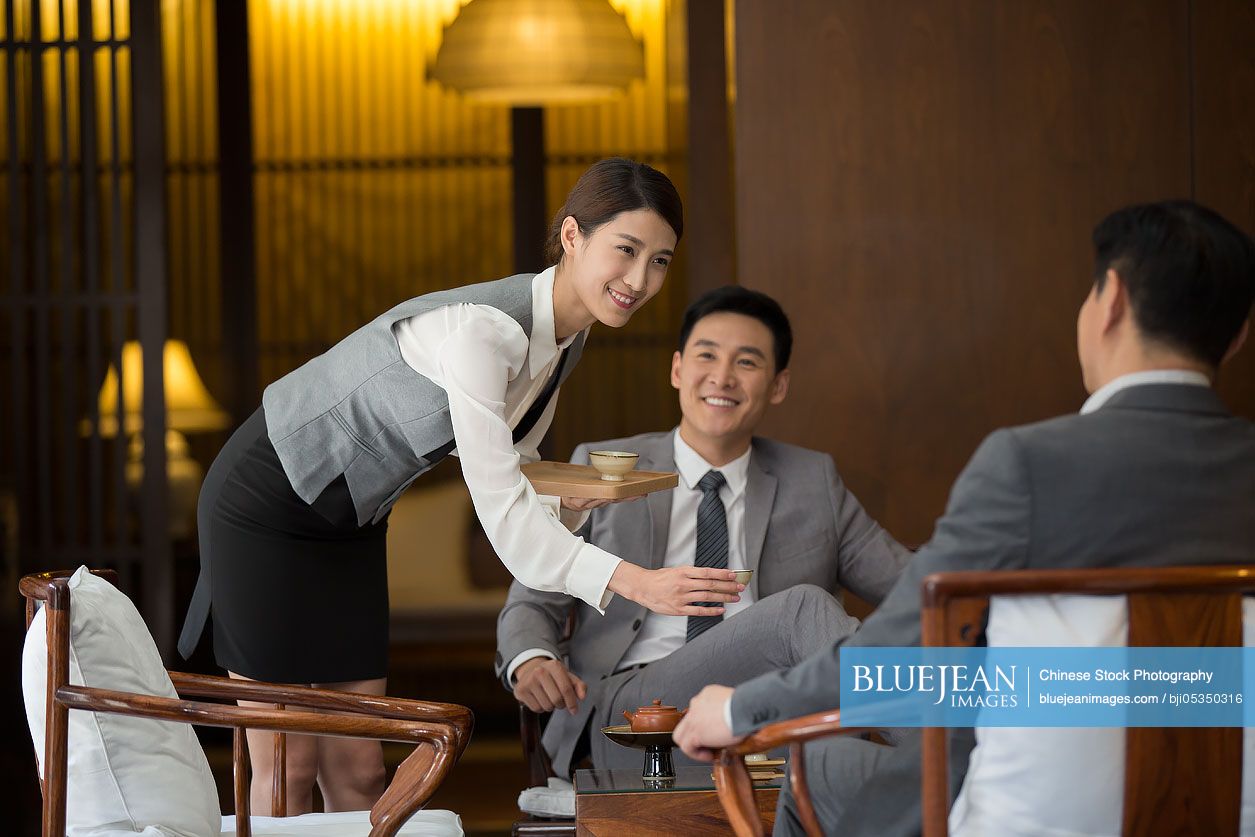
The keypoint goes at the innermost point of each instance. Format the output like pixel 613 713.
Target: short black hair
pixel 1190 274
pixel 735 299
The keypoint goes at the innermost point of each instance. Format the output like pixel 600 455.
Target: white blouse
pixel 492 373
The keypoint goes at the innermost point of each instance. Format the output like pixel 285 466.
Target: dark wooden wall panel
pixel 1224 141
pixel 916 183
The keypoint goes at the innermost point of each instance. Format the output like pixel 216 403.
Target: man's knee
pixel 810 599
pixel 801 604
pixel 811 594
pixel 795 597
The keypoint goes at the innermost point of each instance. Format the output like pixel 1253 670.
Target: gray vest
pixel 360 410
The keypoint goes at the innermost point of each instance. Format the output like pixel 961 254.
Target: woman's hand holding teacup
pixel 675 591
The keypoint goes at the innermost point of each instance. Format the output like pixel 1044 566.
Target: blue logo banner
pixel 1047 687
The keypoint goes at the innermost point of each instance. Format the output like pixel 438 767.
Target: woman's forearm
pixel 627 581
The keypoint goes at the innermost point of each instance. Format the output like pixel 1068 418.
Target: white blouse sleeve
pixel 474 362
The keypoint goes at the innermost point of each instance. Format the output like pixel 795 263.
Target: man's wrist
pixel 522 657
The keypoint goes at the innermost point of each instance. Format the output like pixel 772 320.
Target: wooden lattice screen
pixel 83 270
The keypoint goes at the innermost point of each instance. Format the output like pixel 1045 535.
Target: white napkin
pixel 556 800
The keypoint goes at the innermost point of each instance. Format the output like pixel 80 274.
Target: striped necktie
pixel 712 544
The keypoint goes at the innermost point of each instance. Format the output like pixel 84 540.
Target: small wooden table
pixel 618 803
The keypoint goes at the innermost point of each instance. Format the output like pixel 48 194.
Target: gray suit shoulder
pixel 1151 405
pixel 1064 425
pixel 1055 440
pixel 1113 423
pixel 797 462
pixel 785 451
pixel 1138 430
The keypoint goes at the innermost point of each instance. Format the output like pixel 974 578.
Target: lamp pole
pixel 528 170
pixel 504 52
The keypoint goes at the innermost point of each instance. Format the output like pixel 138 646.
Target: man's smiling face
pixel 726 376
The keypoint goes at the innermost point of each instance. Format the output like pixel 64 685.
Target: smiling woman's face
pixel 621 265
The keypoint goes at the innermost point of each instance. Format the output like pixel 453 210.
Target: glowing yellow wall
pixel 374 184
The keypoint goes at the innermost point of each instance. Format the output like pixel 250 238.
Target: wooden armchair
pixel 539 767
pixel 440 732
pixel 531 725
pixel 538 763
pixel 1178 780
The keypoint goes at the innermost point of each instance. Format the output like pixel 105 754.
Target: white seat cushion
pixel 126 775
pixel 350 824
pixel 1061 782
pixel 556 799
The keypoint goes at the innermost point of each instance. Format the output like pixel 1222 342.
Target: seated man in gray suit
pixel 742 502
pixel 1154 471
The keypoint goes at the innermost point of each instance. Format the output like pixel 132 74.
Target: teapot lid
pixel 656 707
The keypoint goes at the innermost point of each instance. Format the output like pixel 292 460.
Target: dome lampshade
pixel 538 52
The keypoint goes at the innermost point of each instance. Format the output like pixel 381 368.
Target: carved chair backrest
pixel 1177 780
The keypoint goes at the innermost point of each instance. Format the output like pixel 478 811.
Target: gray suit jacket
pixel 1161 475
pixel 802 526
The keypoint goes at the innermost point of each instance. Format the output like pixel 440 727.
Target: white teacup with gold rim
pixel 613 464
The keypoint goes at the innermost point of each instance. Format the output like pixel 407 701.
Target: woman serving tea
pixel 293 513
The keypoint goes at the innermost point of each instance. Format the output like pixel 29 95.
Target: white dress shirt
pixel 1133 379
pixel 660 635
pixel 492 373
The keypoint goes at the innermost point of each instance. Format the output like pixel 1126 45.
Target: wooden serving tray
pixel 566 480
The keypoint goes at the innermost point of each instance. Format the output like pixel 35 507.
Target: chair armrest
pixel 247 717
pixel 793 731
pixel 418 777
pixel 539 768
pixel 202 685
pixel 732 779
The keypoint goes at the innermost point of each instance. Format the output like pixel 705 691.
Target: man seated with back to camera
pixel 742 502
pixel 1154 471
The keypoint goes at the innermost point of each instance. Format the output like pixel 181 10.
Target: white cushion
pixel 438 517
pixel 350 824
pixel 1061 782
pixel 126 775
pixel 556 799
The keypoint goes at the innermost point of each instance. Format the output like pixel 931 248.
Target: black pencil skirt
pixel 299 593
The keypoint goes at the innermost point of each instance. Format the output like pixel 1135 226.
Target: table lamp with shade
pixel 189 409
pixel 530 54
pixel 538 52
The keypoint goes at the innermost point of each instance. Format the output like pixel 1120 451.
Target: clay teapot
pixel 654 718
